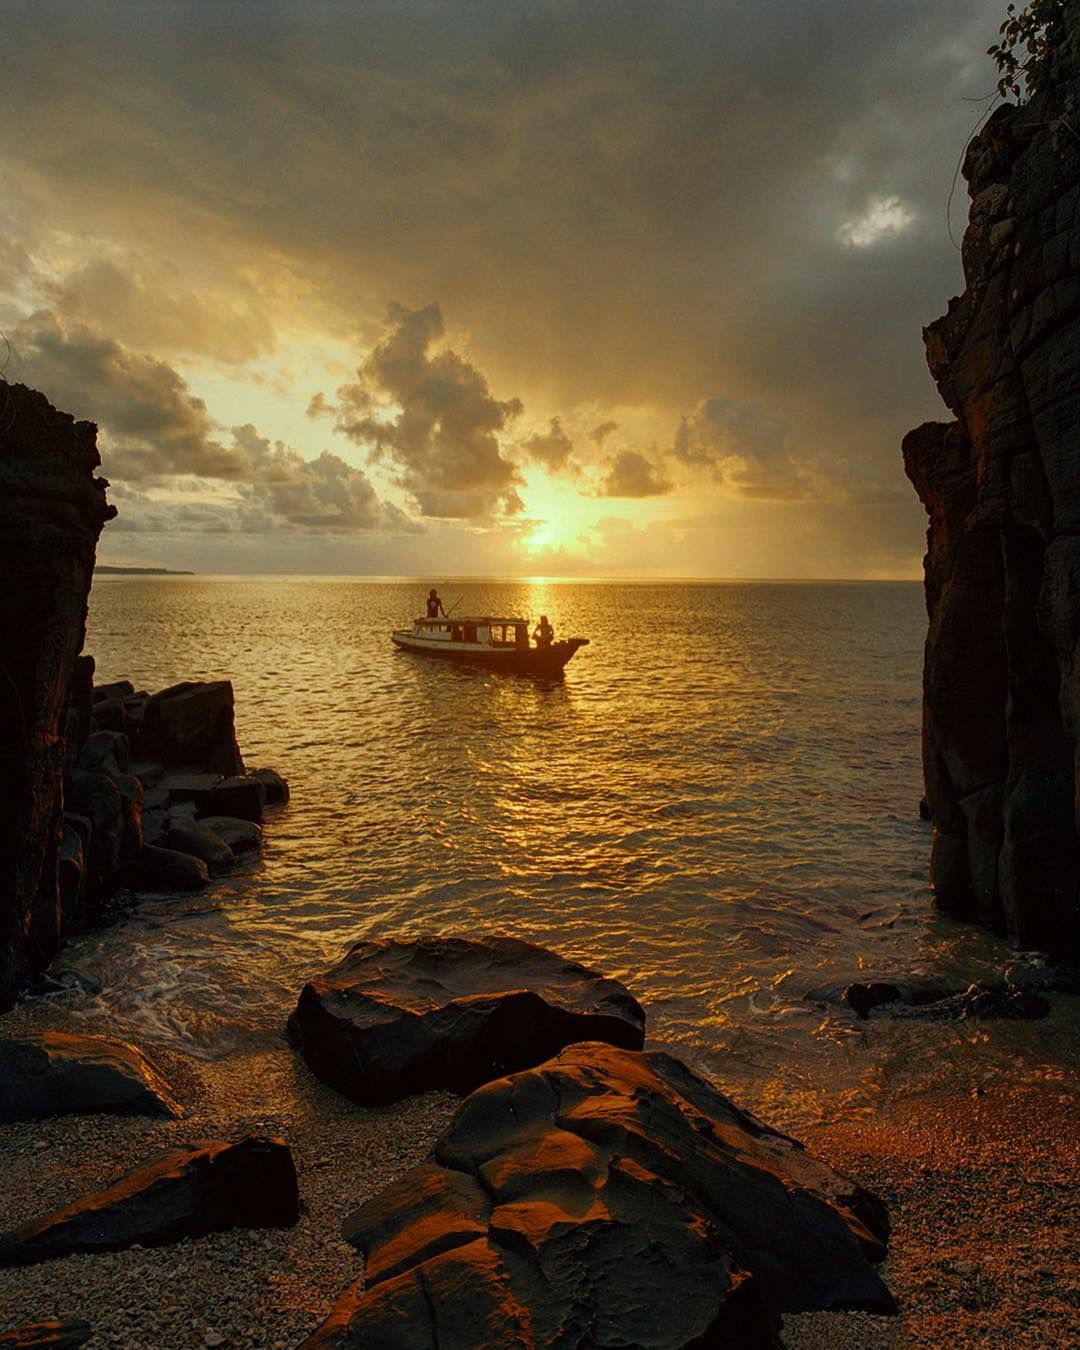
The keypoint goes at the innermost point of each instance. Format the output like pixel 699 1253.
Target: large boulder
pixel 53 1073
pixel 192 725
pixel 606 1198
pixel 52 509
pixel 1001 486
pixel 399 1017
pixel 166 869
pixel 185 1193
pixel 201 842
pixel 242 836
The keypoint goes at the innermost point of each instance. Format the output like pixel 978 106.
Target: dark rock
pixel 74 980
pixel 110 715
pixel 52 509
pixel 277 790
pixel 164 869
pixel 978 1003
pixel 240 797
pixel 71 868
pixel 607 1198
pixel 105 752
pixel 192 724
pixel 201 842
pixel 117 692
pixel 147 772
pixel 397 1018
pixel 189 787
pixel 242 836
pixel 185 1193
pixel 51 1335
pixel 52 1073
pixel 96 796
pixel 1001 485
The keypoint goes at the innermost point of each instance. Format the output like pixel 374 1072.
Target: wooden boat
pixel 501 643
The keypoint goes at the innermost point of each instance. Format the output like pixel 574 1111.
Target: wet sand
pixel 982 1188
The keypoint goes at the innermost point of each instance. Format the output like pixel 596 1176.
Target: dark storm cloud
pixel 742 445
pixel 429 415
pixel 632 474
pixel 599 434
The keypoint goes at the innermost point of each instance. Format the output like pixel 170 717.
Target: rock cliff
pixel 1001 484
pixel 52 509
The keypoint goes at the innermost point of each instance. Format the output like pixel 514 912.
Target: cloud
pixel 442 442
pixel 551 448
pixel 600 433
pixel 742 445
pixel 157 434
pixel 882 218
pixel 156 428
pixel 632 475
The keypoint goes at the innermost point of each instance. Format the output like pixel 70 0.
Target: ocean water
pixel 716 804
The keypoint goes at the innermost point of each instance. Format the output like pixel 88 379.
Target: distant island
pixel 141 571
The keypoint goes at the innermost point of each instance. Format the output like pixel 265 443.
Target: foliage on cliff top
pixel 1030 38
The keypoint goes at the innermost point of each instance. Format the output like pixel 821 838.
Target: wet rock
pixel 189 787
pixel 147 772
pixel 52 1073
pixel 607 1198
pixel 185 1193
pixel 117 691
pixel 240 797
pixel 71 864
pixel 399 1017
pixel 277 790
pixel 51 1335
pixel 242 836
pixel 106 752
pixel 201 842
pixel 192 724
pixel 165 869
pixel 52 509
pixel 979 1002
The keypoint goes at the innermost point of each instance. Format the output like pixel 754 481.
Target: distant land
pixel 108 569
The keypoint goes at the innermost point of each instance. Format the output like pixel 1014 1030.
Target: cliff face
pixel 1001 484
pixel 52 509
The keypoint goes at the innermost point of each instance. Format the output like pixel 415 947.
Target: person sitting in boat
pixel 543 634
pixel 434 605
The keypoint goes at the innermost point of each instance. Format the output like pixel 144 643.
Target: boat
pixel 487 640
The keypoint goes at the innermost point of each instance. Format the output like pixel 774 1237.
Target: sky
pixel 504 287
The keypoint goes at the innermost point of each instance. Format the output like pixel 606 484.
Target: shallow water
pixel 717 804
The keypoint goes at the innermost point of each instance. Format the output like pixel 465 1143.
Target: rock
pixel 977 1003
pixel 401 1017
pixel 147 772
pixel 189 787
pixel 105 752
pixel 71 864
pixel 51 1335
pixel 277 790
pixel 242 836
pixel 110 715
pixel 201 842
pixel 240 797
pixel 52 1073
pixel 1001 486
pixel 185 1193
pixel 192 724
pixel 118 691
pixel 164 869
pixel 607 1198
pixel 96 796
pixel 52 509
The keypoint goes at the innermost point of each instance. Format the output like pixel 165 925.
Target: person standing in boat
pixel 434 605
pixel 543 633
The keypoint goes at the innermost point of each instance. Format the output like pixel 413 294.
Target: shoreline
pixel 982 1185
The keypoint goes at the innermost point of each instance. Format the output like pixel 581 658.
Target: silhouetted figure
pixel 434 605
pixel 543 633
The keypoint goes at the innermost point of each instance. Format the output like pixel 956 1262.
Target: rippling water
pixel 718 804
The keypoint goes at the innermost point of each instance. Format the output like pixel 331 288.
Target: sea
pixel 717 804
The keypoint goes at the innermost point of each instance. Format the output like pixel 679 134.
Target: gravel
pixel 262 1287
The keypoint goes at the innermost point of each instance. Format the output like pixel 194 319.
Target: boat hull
pixel 519 660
